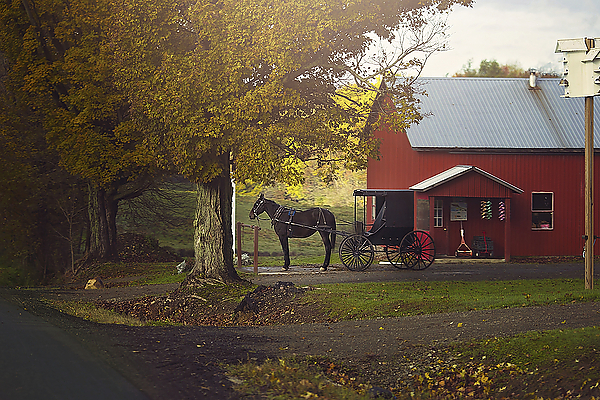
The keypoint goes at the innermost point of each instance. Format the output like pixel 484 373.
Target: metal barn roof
pixel 499 114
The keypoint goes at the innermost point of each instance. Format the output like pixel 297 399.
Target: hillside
pixel 168 216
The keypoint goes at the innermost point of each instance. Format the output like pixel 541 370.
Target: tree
pixel 493 69
pixel 32 190
pixel 255 93
pixel 212 89
pixel 38 199
pixel 60 66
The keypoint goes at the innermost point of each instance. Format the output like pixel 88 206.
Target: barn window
pixel 438 213
pixel 542 210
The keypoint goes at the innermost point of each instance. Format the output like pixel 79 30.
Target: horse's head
pixel 258 207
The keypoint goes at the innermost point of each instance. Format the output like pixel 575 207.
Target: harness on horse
pixel 290 215
pixel 290 219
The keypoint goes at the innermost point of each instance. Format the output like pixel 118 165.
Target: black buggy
pixel 391 232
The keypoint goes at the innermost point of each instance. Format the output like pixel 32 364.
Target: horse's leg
pixel 328 247
pixel 283 239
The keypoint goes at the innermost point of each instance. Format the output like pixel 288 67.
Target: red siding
pixel 401 167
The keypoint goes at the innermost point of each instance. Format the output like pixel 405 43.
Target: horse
pixel 290 223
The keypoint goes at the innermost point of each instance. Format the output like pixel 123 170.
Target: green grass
pixel 347 301
pixel 159 278
pixel 550 364
pixel 134 274
pixel 536 350
pixel 534 365
pixel 90 312
pixel 396 299
pixel 529 364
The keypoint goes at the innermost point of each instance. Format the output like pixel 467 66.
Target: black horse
pixel 289 223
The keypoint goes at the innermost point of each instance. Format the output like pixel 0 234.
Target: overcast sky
pixel 514 31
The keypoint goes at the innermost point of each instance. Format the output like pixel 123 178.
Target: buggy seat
pixel 379 221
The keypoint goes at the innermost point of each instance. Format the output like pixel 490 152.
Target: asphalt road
pixel 41 361
pixel 441 270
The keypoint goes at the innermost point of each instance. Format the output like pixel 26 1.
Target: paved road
pixel 41 361
pixel 443 270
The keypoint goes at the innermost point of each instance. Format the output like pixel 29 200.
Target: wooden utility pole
pixel 589 192
pixel 581 78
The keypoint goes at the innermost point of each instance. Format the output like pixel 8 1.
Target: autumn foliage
pixel 117 94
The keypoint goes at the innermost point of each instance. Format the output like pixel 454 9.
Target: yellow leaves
pixel 179 84
pixel 37 82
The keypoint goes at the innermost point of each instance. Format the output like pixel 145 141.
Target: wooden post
pixel 589 192
pixel 239 227
pixel 256 228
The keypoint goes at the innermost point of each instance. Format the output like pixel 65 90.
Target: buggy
pixel 391 232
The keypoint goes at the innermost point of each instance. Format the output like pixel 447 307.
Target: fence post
pixel 256 228
pixel 238 239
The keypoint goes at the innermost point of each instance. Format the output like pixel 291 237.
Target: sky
pixel 522 32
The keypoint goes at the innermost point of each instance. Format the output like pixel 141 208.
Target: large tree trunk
pixel 213 237
pixel 102 211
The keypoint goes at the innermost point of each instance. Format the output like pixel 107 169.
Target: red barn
pixel 501 158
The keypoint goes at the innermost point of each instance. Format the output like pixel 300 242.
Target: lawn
pixel 399 299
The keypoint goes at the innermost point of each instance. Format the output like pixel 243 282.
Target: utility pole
pixel 581 78
pixel 589 192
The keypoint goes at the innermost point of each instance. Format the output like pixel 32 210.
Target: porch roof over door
pixel 466 181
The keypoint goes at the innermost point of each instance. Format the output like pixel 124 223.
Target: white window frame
pixel 438 213
pixel 536 214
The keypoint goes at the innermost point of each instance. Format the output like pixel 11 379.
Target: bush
pixel 133 247
pixel 11 276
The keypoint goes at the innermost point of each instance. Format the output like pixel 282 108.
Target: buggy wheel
pixel 356 252
pixel 417 250
pixel 394 256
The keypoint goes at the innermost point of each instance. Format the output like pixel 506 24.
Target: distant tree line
pixel 493 69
